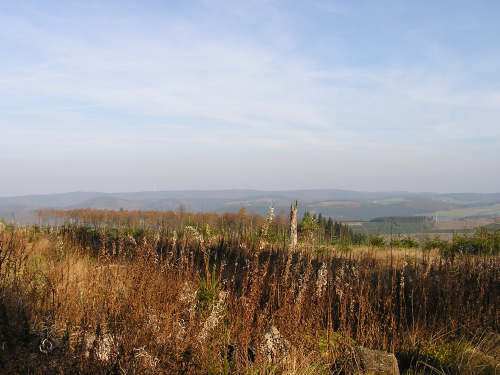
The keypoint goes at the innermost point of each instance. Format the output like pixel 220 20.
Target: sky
pixel 118 96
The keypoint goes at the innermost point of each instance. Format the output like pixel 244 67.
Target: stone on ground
pixel 376 362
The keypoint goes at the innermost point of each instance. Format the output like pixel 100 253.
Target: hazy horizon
pixel 264 95
pixel 247 189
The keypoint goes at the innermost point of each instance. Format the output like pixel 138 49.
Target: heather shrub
pixel 376 241
pixel 483 241
pixel 436 243
pixel 407 242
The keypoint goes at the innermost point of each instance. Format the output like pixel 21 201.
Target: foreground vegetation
pixel 195 295
pixel 315 231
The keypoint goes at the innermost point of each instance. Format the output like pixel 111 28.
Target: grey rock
pixel 376 362
pixel 103 347
pixel 273 345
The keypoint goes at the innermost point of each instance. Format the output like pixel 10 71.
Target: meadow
pixel 118 292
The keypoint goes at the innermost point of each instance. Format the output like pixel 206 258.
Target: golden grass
pixel 147 308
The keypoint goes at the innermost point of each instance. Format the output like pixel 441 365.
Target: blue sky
pixel 161 95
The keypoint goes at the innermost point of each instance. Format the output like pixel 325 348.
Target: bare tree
pixel 293 225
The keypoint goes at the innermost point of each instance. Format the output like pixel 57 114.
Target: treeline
pixel 242 224
pixel 253 228
pixel 402 219
pixel 329 231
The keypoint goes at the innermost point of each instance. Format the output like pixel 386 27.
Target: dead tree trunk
pixel 293 225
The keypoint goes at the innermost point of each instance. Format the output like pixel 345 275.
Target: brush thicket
pixel 189 301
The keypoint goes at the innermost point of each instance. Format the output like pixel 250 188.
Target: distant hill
pixel 342 205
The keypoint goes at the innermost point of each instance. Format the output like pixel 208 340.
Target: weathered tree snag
pixel 293 225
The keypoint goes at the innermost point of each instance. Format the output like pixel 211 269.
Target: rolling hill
pixel 342 205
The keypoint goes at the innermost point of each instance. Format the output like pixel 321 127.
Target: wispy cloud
pixel 183 80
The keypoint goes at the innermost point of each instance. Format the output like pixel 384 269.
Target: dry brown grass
pixel 149 306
